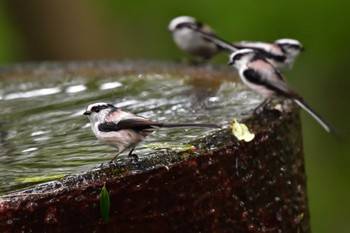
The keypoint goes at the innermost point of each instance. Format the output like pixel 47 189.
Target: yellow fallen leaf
pixel 241 131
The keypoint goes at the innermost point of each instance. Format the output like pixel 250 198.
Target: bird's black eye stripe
pixel 183 25
pixel 199 24
pixel 294 46
pixel 95 109
pixel 101 107
pixel 237 57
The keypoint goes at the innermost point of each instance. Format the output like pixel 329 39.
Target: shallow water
pixel 43 131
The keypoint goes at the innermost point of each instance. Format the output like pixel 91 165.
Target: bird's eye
pixel 237 57
pixel 186 25
pixel 180 25
pixel 95 109
pixel 294 46
pixel 198 25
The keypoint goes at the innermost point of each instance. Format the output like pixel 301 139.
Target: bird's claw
pixel 134 156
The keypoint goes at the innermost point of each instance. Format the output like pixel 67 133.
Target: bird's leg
pixel 112 160
pixel 262 105
pixel 133 155
pixel 120 151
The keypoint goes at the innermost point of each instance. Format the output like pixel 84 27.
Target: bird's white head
pixel 241 57
pixel 180 22
pixel 98 111
pixel 292 48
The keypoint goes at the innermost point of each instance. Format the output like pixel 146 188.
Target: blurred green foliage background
pixel 39 30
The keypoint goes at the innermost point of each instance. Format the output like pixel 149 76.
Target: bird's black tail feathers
pixel 227 46
pixel 191 125
pixel 319 119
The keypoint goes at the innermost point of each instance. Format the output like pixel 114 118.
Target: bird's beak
pixel 87 113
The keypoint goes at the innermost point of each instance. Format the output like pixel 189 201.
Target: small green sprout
pixel 104 203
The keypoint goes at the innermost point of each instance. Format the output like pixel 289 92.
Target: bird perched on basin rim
pixel 124 130
pixel 263 78
pixel 281 53
pixel 190 36
pixel 200 40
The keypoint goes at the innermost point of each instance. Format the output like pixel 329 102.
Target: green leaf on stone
pixel 104 204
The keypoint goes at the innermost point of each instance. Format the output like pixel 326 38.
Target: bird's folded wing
pixel 264 48
pixel 130 123
pixel 275 82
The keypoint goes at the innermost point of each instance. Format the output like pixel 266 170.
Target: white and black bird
pixel 195 38
pixel 124 130
pixel 263 78
pixel 281 53
pixel 198 39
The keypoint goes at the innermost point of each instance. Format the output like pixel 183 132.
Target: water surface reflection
pixel 43 131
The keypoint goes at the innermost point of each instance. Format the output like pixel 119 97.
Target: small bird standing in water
pixel 124 130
